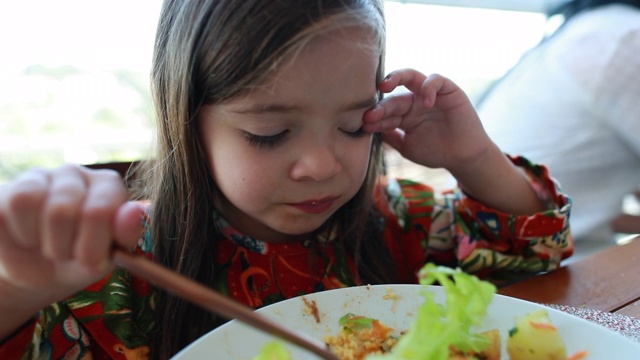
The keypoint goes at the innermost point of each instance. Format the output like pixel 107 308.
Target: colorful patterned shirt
pixel 112 319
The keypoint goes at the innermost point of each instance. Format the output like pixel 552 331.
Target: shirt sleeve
pixel 54 331
pixel 453 229
pixel 19 343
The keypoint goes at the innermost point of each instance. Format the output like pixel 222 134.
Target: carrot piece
pixel 542 325
pixel 379 330
pixel 579 355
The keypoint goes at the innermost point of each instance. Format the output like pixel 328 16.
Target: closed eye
pixel 355 134
pixel 266 141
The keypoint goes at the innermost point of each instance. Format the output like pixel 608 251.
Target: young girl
pixel 266 185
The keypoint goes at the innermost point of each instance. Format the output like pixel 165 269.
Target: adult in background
pixel 573 103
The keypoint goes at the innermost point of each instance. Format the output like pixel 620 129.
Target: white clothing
pixel 573 104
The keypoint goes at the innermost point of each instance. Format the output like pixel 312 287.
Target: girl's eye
pixel 266 141
pixel 355 134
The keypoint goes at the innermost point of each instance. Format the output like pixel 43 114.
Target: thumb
pixel 128 224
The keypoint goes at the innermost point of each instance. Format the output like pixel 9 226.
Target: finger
pixel 20 204
pixel 396 105
pixel 431 88
pixel 66 196
pixel 439 86
pixel 388 114
pixel 409 78
pixel 106 193
pixel 425 87
pixel 387 123
pixel 371 119
pixel 128 224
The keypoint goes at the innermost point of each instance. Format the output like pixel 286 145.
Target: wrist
pixel 496 182
pixel 486 164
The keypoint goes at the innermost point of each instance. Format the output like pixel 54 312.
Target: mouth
pixel 315 206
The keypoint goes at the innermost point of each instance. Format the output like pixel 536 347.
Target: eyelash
pixel 355 134
pixel 271 141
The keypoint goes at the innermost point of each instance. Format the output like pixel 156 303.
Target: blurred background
pixel 74 74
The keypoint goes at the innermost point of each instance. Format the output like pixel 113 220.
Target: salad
pixel 443 331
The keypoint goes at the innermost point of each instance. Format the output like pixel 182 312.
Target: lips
pixel 318 206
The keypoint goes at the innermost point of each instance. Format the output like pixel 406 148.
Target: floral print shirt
pixel 112 319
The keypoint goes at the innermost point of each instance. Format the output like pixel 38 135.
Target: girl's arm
pixel 497 183
pixel 453 229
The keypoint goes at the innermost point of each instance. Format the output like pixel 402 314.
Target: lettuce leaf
pixel 437 327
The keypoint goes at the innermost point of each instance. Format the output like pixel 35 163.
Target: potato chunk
pixel 535 337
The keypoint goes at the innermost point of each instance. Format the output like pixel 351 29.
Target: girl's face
pixel 290 153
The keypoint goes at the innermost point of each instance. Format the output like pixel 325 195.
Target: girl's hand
pixel 57 229
pixel 434 124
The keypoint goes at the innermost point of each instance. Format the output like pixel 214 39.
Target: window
pixel 75 83
pixel 75 74
pixel 473 46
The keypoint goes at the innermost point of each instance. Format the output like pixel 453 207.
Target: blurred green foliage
pixel 55 115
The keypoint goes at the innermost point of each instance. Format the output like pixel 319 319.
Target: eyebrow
pixel 257 109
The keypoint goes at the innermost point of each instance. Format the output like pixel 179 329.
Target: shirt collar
pixel 263 247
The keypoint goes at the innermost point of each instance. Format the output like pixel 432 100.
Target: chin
pixel 300 230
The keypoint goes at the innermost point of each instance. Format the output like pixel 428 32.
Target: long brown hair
pixel 206 52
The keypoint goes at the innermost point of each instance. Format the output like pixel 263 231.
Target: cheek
pixel 240 176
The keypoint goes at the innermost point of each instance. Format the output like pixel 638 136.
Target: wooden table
pixel 608 281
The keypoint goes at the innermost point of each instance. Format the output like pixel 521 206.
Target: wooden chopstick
pixel 215 302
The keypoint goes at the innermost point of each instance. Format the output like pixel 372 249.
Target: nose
pixel 316 162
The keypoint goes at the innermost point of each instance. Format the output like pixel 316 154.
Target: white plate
pixel 237 341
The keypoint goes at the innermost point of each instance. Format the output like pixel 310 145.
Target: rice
pixel 355 342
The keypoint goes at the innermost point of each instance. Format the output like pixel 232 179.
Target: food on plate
pixel 491 352
pixel 535 337
pixel 311 308
pixel 443 331
pixel 359 336
pixel 273 350
pixel 439 327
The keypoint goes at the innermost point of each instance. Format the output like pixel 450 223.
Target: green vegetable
pixel 513 331
pixel 355 322
pixel 273 350
pixel 436 327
